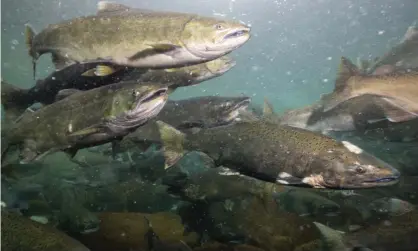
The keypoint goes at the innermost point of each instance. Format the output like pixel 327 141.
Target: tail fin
pixel 177 179
pixel 29 35
pixel 14 100
pixel 176 183
pixel 172 140
pixel 332 240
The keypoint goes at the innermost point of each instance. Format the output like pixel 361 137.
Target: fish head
pixel 87 223
pixel 211 69
pixel 211 38
pixel 346 166
pixel 78 219
pixel 227 110
pixel 391 206
pixel 134 106
pixel 220 65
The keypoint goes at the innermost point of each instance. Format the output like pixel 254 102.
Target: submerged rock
pixel 20 233
pixel 257 222
pixel 128 231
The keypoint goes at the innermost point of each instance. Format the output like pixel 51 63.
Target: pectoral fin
pixel 116 148
pixel 99 71
pixel 374 121
pixel 332 100
pixel 397 116
pixel 154 50
pixel 29 152
pixel 171 70
pixel 86 132
pixel 71 152
pixel 288 179
pixel 28 110
pixel 65 93
pixel 27 156
pixel 396 110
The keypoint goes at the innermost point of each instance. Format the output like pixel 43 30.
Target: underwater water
pixel 253 162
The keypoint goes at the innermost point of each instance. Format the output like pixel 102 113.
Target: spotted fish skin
pixel 86 119
pixel 282 154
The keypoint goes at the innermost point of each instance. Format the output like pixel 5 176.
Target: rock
pixel 125 231
pixel 20 233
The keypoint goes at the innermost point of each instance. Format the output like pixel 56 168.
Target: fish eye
pixel 194 74
pixel 360 169
pixel 135 93
pixel 218 26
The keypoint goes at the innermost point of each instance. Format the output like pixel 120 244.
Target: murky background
pixel 120 195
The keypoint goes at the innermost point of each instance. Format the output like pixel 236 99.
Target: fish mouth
pixel 90 230
pixel 150 104
pixel 236 33
pixel 386 181
pixel 233 39
pixel 146 107
pixel 156 95
pixel 161 92
pixel 383 180
pixel 234 111
pixel 387 177
pixel 243 103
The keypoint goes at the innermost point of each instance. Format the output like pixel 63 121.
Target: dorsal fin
pixel 62 94
pixel 269 115
pixel 363 64
pixel 267 108
pixel 345 71
pixel 105 7
pixel 411 34
pixel 109 8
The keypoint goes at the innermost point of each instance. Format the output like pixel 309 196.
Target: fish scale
pixel 138 38
pixel 281 154
pixel 52 127
pixel 397 93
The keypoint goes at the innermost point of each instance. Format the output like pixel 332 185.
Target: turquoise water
pixel 291 57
